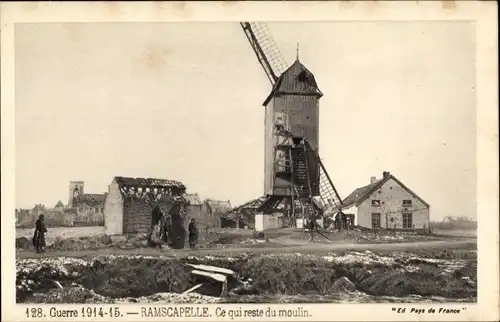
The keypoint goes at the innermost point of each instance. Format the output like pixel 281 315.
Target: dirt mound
pixel 113 277
pixel 23 243
pixel 145 279
pixel 403 283
pixel 397 275
pixel 41 275
pixel 72 294
pixel 78 294
pixel 81 243
pixel 118 277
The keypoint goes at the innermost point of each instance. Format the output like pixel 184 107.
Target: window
pixel 376 220
pixel 376 203
pixel 407 220
pixel 406 203
pixel 96 209
pixel 81 209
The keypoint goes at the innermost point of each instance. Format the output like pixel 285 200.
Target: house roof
pixel 59 204
pixel 361 194
pixel 218 206
pixel 193 199
pixel 297 79
pixel 90 199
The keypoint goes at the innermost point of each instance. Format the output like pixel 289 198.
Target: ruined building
pixel 59 205
pixel 75 189
pixel 243 215
pixel 215 210
pixel 131 202
pixel 195 210
pixel 88 208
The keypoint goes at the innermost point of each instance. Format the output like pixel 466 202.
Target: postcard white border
pixel 483 13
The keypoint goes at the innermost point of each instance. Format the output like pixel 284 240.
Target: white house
pixel 387 203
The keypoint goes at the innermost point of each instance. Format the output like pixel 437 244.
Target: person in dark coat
pixel 167 225
pixel 193 234
pixel 312 227
pixel 39 235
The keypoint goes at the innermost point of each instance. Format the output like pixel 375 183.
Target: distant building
pixel 243 215
pixel 88 207
pixel 24 217
pixel 388 204
pixel 215 210
pixel 59 205
pixel 38 210
pixel 196 211
pixel 130 203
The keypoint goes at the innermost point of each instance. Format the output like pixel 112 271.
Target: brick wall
pixel 137 216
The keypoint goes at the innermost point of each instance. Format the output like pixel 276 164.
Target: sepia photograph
pixel 253 161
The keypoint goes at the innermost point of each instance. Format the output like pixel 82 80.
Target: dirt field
pixel 456 233
pixel 77 239
pixel 84 265
pixel 309 248
pixel 63 232
pixel 422 274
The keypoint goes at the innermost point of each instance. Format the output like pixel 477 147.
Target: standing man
pixel 166 228
pixel 39 235
pixel 312 228
pixel 193 234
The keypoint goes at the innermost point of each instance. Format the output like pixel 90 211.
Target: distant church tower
pixel 75 189
pixel 294 103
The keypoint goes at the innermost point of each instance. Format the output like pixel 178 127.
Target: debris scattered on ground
pixel 111 279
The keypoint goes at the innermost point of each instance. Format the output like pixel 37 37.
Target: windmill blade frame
pixel 265 48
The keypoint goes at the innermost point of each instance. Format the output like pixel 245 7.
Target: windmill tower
pixel 292 106
pixel 294 174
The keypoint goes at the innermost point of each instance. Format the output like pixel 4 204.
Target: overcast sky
pixel 183 102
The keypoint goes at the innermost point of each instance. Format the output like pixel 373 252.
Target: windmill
pixel 295 177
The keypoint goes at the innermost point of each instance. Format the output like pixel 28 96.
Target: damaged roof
pixel 218 206
pixel 149 182
pixel 252 204
pixel 296 80
pixel 361 194
pixel 193 199
pixel 90 199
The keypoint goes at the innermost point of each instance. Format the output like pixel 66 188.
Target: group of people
pixel 160 233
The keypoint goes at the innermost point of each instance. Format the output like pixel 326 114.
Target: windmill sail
pixel 266 50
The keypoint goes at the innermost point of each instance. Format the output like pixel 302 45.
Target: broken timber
pixel 214 273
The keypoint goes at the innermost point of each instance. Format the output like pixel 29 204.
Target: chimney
pixel 373 179
pixel 386 174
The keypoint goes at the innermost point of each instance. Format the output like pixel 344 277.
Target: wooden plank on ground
pixel 214 269
pixel 194 288
pixel 215 276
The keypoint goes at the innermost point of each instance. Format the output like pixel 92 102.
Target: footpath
pixel 309 248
